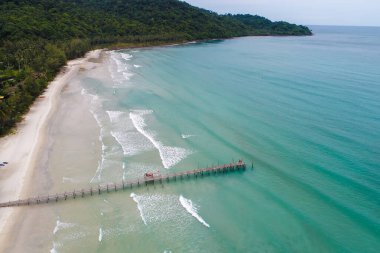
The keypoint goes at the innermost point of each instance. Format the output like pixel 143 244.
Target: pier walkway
pixel 113 187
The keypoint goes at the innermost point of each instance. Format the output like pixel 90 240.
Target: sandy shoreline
pixel 21 150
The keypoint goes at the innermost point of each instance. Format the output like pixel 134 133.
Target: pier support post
pixel 99 189
pixel 82 193
pixel 65 196
pixel 74 194
pixel 115 188
pixel 91 191
pixel 123 184
pixel 107 188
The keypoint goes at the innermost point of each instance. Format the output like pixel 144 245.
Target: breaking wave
pixel 126 57
pixel 192 209
pixel 62 225
pixel 170 156
pixel 114 116
pixel 136 199
pixel 100 238
pixel 186 136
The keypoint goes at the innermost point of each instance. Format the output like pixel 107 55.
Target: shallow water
pixel 305 110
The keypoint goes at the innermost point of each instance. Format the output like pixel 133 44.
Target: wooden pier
pixel 113 187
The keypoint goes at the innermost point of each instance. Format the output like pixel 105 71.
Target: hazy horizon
pixel 322 12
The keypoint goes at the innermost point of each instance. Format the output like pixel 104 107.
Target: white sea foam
pixel 95 105
pixel 100 118
pixel 126 57
pixel 62 225
pixel 118 67
pixel 93 99
pixel 170 156
pixel 192 209
pixel 119 64
pixel 97 119
pixel 162 208
pixel 114 116
pixel 137 66
pixel 100 238
pixel 99 170
pixel 186 136
pixel 55 247
pixel 135 199
pixel 127 75
pixel 131 142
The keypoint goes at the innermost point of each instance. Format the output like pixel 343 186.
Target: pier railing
pixel 128 184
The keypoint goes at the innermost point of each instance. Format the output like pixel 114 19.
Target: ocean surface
pixel 304 110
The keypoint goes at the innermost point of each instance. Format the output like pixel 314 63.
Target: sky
pixel 306 12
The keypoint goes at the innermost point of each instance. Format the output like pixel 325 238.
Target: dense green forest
pixel 37 37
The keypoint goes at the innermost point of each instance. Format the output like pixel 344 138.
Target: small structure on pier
pixel 151 175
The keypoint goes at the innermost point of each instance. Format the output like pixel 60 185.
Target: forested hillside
pixel 37 37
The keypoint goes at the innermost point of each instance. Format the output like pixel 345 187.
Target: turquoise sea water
pixel 305 110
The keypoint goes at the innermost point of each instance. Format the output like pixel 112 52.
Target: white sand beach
pixel 21 150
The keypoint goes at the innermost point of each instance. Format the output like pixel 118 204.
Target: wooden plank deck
pixel 113 187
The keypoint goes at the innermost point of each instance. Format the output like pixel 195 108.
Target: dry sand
pixel 22 149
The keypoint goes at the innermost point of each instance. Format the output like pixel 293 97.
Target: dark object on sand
pixel 5 162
